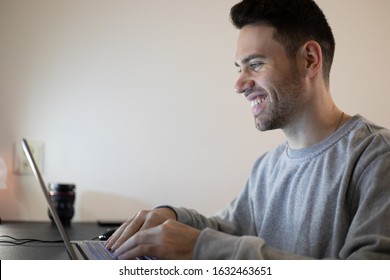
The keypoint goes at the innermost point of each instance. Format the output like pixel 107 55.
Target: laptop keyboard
pixel 96 250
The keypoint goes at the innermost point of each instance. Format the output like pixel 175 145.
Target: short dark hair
pixel 295 22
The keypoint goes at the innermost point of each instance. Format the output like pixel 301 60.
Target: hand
pixel 169 240
pixel 142 220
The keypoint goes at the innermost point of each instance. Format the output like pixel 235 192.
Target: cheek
pixel 263 81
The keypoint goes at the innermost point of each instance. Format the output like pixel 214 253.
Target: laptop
pixel 77 250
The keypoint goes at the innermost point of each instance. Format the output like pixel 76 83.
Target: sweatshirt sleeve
pixel 369 233
pixel 221 240
pixel 236 219
pixel 231 233
pixel 216 245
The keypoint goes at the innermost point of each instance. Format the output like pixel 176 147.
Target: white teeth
pixel 257 101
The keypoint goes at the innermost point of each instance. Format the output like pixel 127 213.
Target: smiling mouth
pixel 258 100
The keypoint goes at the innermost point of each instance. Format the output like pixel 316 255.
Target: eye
pixel 256 66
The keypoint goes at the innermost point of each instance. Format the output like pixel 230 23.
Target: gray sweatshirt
pixel 328 201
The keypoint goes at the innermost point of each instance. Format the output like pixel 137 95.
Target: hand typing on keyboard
pixel 153 233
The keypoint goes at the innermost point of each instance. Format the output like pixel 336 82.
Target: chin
pixel 261 127
pixel 265 125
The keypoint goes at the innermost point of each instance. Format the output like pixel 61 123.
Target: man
pixel 324 193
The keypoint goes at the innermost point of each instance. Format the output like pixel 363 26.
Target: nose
pixel 244 84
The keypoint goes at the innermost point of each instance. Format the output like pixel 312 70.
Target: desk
pixel 43 231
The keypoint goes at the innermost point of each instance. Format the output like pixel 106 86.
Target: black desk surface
pixel 43 231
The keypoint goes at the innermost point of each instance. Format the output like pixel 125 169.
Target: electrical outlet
pixel 21 165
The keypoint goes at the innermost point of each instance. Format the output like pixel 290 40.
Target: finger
pixel 152 219
pixel 132 227
pixel 114 237
pixel 139 252
pixel 123 229
pixel 143 243
pixel 127 233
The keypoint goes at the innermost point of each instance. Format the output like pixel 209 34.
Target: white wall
pixel 134 99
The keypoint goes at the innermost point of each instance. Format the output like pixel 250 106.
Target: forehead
pixel 257 40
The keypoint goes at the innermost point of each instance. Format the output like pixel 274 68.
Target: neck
pixel 314 125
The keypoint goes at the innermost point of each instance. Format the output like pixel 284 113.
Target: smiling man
pixel 323 194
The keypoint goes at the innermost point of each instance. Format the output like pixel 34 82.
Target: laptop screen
pixel 38 177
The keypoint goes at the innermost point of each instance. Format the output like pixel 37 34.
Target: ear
pixel 312 55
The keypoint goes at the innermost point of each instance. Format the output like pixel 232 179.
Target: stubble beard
pixel 282 112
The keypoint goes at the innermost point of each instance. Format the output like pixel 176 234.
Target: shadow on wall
pixel 93 206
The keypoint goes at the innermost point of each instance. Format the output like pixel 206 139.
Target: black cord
pixel 21 241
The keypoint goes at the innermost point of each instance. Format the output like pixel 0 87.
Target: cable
pixel 21 241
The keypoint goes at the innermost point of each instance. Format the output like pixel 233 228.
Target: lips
pixel 256 102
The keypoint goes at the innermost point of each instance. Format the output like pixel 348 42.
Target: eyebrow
pixel 249 58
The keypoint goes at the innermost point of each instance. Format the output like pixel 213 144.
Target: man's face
pixel 268 78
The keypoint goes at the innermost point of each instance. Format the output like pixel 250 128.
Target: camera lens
pixel 63 196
